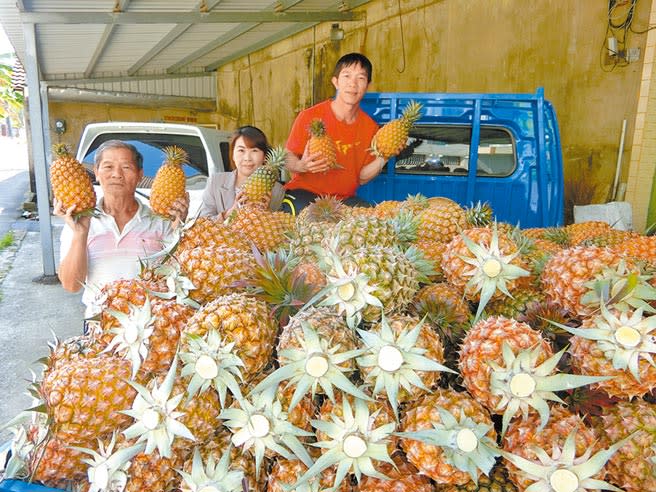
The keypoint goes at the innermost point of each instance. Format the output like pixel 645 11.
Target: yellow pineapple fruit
pixel 322 143
pixel 577 233
pixel 470 445
pixel 284 473
pixel 71 183
pixel 441 221
pixel 402 476
pixel 632 468
pixel 267 229
pixel 526 438
pixel 497 481
pixel 566 276
pixel 54 463
pixel 243 320
pixel 214 270
pixel 207 233
pixel 170 181
pixel 261 182
pixel 85 397
pixel 616 344
pixel 483 344
pixel 639 247
pixel 392 137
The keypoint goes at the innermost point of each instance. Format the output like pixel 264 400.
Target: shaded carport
pixel 118 46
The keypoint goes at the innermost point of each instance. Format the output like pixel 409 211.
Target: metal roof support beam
pixel 125 78
pixel 38 129
pixel 290 31
pixel 223 17
pixel 222 40
pixel 100 47
pixel 171 36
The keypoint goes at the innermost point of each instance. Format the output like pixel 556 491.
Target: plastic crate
pixel 20 486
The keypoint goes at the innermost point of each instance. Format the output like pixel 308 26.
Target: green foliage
pixel 11 101
pixel 6 240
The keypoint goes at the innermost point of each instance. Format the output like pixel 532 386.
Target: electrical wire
pixel 402 38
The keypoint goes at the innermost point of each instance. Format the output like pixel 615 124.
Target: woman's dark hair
pixel 351 59
pixel 253 137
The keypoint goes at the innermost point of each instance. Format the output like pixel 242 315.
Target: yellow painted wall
pixel 459 46
pixel 78 114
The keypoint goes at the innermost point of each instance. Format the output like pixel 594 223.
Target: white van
pixel 207 149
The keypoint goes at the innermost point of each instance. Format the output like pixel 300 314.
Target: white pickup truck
pixel 207 149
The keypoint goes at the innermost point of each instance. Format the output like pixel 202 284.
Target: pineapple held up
pixel 322 143
pixel 71 183
pixel 261 182
pixel 391 138
pixel 169 183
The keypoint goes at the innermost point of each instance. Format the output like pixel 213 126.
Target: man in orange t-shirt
pixel 352 130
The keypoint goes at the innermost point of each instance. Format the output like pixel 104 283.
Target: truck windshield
pixel 444 150
pixel 151 148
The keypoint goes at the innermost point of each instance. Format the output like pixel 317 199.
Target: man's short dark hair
pixel 351 59
pixel 118 144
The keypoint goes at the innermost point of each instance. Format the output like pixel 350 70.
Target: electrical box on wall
pixel 632 55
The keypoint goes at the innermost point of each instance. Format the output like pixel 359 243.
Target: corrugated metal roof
pixel 122 43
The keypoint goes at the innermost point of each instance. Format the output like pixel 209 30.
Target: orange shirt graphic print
pixel 345 147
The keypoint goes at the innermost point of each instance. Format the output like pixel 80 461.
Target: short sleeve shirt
pixel 352 141
pixel 114 255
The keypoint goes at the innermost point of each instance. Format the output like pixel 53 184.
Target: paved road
pixel 14 181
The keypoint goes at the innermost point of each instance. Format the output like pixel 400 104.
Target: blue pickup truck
pixel 503 149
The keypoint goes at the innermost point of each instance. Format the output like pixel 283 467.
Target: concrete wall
pixel 460 46
pixel 78 114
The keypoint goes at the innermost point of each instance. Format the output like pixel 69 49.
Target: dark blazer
pixel 219 194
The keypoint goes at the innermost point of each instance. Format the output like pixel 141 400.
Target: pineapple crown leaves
pixel 276 158
pixel 411 113
pixel 479 215
pixel 490 269
pixel 563 471
pixel 212 476
pixel 349 291
pixel 315 364
pixel 133 334
pixel 620 288
pixel 275 283
pixel 465 442
pixel 405 226
pixel 260 423
pixel 522 383
pixel 108 470
pixel 175 155
pixel 395 360
pixel 353 445
pixel 178 285
pixel 625 338
pixel 22 447
pixel 155 415
pixel 211 363
pixel 425 268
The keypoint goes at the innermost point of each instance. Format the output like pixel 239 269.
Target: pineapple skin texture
pixel 523 436
pixel 630 467
pixel 72 185
pixel 484 343
pixel 168 186
pixel 421 415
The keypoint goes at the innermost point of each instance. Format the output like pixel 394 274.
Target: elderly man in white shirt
pixel 98 250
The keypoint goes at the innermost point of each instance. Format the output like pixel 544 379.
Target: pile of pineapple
pixel 416 345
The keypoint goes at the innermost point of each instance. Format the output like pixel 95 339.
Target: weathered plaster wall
pixel 459 46
pixel 78 114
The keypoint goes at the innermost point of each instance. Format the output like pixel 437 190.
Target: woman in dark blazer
pixel 248 149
